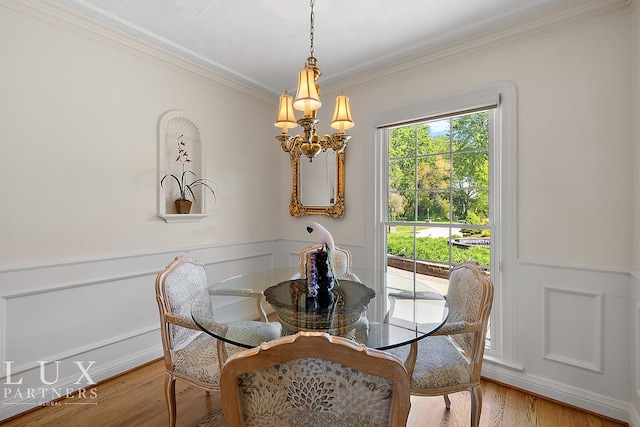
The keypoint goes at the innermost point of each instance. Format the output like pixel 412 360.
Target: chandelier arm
pixel 289 142
pixel 337 142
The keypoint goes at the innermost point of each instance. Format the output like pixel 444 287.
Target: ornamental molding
pixel 573 14
pixel 54 14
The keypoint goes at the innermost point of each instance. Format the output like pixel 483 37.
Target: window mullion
pixel 416 180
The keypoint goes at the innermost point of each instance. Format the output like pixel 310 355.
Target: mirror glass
pixel 318 179
pixel 318 186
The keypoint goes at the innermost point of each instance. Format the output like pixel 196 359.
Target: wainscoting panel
pixel 573 336
pixel 75 319
pixel 65 326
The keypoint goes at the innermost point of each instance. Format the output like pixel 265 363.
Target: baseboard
pixel 98 374
pixel 571 396
pixel 634 418
pixel 128 363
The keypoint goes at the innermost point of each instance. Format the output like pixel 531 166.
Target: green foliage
pixel 469 136
pixel 434 249
pixel 439 170
pixel 473 218
pixel 440 174
pixel 397 205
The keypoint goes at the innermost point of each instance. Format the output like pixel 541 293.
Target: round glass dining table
pixel 378 309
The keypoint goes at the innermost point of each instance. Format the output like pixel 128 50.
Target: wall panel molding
pixel 133 256
pixel 73 284
pixel 575 336
pixel 574 324
pixel 576 267
pixel 100 310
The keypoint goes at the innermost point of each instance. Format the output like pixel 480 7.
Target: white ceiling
pixel 266 42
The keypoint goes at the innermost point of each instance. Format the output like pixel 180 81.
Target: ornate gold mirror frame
pixel 296 208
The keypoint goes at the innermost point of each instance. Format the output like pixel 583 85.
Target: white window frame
pixel 503 157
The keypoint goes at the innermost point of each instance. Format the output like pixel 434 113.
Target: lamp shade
pixel 286 117
pixel 342 114
pixel 307 98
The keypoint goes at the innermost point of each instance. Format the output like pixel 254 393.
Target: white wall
pixel 81 113
pixel 80 107
pixel 80 243
pixel 635 284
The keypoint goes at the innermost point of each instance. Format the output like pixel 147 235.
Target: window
pixel 445 173
pixel 438 201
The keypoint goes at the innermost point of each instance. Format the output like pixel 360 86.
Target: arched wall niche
pixel 176 126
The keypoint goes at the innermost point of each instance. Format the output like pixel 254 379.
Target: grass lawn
pixel 404 230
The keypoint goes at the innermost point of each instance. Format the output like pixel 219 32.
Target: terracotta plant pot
pixel 183 206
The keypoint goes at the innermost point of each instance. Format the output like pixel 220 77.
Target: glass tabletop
pixel 378 309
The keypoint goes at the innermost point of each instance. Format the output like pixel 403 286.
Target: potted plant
pixel 183 203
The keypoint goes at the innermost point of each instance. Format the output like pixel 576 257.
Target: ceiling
pixel 265 42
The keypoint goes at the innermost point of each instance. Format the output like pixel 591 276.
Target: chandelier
pixel 308 101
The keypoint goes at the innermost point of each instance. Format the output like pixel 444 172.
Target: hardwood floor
pixel 136 399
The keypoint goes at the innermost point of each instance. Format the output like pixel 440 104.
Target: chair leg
pixel 476 406
pixel 447 402
pixel 170 396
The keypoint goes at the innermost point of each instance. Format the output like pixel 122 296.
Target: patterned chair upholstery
pixel 450 360
pixel 190 354
pixel 251 332
pixel 314 379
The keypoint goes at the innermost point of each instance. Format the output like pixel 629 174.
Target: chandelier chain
pixel 307 99
pixel 311 31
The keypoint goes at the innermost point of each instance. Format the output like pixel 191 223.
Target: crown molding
pixel 573 14
pixel 570 15
pixel 54 14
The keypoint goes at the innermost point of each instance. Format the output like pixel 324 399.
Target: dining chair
pixel 341 262
pixel 450 360
pixel 314 379
pixel 190 354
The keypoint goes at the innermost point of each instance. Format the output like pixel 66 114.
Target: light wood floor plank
pixel 137 399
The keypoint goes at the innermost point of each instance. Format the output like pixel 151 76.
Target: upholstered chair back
pixel 341 262
pixel 313 379
pixel 469 297
pixel 181 286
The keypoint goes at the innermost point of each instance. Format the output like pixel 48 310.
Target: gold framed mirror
pixel 317 188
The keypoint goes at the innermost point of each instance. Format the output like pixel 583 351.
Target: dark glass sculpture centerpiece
pixel 320 279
